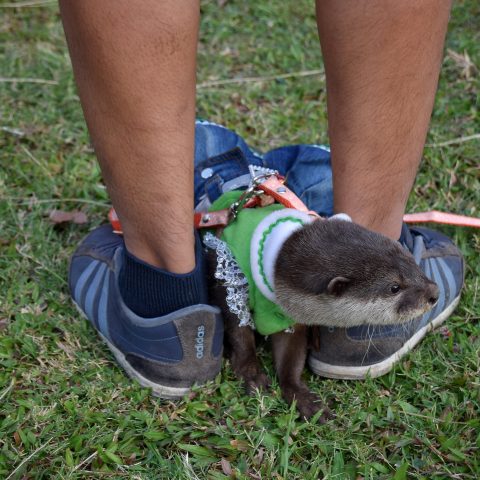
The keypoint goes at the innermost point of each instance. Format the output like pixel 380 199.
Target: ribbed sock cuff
pixel 153 292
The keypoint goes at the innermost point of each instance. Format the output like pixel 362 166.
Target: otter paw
pixel 326 415
pixel 309 404
pixel 260 381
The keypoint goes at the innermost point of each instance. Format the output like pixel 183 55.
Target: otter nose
pixel 433 300
pixel 432 294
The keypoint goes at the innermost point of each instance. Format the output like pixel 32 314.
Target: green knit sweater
pixel 267 315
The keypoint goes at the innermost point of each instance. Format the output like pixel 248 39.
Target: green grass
pixel 67 410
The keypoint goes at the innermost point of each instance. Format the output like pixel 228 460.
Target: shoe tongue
pixel 406 237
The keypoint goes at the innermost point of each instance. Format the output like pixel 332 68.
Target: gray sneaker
pixel 371 350
pixel 167 354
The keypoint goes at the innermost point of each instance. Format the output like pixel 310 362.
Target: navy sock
pixel 153 292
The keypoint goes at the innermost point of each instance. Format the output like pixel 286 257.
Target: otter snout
pixel 432 293
pixel 418 300
pixel 429 298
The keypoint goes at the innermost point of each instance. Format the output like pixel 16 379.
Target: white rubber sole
pixel 378 369
pixel 158 390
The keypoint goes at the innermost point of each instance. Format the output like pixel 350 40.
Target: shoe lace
pixel 413 242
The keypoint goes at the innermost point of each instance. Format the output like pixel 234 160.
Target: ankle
pixel 150 291
pixel 386 220
pixel 176 254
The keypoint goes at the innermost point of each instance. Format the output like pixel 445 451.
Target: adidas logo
pixel 199 341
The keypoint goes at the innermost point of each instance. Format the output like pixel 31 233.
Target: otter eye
pixel 395 288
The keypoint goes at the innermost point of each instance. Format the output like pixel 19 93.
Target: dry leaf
pixel 464 62
pixel 258 458
pixel 241 445
pixel 75 216
pixel 3 323
pixel 67 350
pixel 226 467
pixel 453 180
pixel 444 332
pixel 446 411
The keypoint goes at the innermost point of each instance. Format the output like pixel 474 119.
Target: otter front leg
pixel 241 349
pixel 239 341
pixel 289 355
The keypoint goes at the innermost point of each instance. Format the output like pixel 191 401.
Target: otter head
pixel 337 273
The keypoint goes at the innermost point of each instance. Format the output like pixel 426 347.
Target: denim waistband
pixel 222 158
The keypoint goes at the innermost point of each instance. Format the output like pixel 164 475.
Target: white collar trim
pixel 267 240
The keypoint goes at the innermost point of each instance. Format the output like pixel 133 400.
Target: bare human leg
pixel 382 61
pixel 135 69
pixel 134 63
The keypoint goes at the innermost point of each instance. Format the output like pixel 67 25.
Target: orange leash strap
pixel 220 218
pixel 275 188
pixel 435 216
pixel 114 221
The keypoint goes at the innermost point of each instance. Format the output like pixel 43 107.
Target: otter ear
pixel 337 286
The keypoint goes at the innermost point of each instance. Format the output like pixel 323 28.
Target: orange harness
pixel 268 188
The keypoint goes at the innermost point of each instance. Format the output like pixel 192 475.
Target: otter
pixel 352 276
pixel 325 272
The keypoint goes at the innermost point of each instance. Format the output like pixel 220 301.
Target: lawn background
pixel 67 410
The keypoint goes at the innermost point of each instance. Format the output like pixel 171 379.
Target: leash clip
pixel 251 192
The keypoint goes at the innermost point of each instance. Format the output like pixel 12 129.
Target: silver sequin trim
pixel 233 279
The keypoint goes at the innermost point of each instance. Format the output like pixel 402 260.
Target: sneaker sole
pixel 158 390
pixel 378 369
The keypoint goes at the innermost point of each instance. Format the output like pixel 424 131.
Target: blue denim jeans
pixel 221 164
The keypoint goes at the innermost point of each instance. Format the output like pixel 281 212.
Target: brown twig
pixel 27 80
pixel 229 81
pixel 31 3
pixel 454 141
